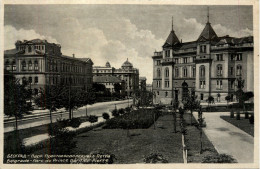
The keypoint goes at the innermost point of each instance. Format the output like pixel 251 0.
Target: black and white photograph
pixel 130 84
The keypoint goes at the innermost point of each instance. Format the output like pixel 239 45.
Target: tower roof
pixel 208 33
pixel 172 38
pixel 108 64
pixel 127 64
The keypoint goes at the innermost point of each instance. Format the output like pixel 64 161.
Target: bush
pixel 220 158
pixel 251 119
pixel 155 158
pixel 75 122
pixel 232 113
pixel 238 115
pixel 115 113
pixel 121 111
pixel 246 115
pixel 127 109
pixel 93 119
pixel 133 120
pixel 105 116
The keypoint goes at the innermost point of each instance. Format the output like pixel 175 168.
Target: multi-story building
pixel 109 82
pixel 126 73
pixel 41 63
pixel 208 66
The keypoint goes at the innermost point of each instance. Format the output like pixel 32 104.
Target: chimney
pixel 73 55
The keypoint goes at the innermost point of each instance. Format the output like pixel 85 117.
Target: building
pixel 208 66
pixel 109 82
pixel 41 63
pixel 142 83
pixel 126 73
pixel 149 87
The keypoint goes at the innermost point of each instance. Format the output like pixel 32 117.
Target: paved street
pixel 95 109
pixel 227 138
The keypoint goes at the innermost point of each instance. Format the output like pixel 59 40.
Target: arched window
pixel 185 72
pixel 219 70
pixel 36 67
pixel 30 65
pixel 23 66
pixel 239 70
pixel 167 72
pixel 202 71
pixel 193 71
pixel 29 49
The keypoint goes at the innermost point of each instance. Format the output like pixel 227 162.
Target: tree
pixel 15 98
pixel 191 103
pixel 227 98
pixel 88 98
pixel 50 97
pixel 93 119
pixel 210 101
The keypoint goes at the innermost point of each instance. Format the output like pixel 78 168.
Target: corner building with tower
pixel 208 66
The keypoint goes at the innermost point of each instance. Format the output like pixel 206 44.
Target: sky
pixel 116 32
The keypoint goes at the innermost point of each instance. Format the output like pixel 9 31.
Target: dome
pixel 108 64
pixel 127 64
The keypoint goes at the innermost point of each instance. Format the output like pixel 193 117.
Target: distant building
pixel 41 63
pixel 142 83
pixel 208 66
pixel 149 87
pixel 126 73
pixel 109 82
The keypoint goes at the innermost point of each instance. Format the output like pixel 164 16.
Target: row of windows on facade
pixel 38 47
pixel 202 71
pixel 202 85
pixel 219 57
pixel 102 71
pixel 12 65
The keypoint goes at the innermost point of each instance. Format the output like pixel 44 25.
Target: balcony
pixel 168 61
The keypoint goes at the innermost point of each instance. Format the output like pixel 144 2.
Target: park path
pixel 227 138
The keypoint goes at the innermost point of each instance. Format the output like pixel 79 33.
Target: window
pixel 231 70
pixel 239 56
pixel 202 84
pixel 176 60
pixel 194 58
pixel 185 72
pixel 7 65
pixel 24 80
pixel 232 84
pixel 201 96
pixel 158 72
pixel 166 94
pixel 36 80
pixel 36 65
pixel 30 79
pixel 23 66
pixel 166 72
pixel 158 62
pixel 219 57
pixel 193 71
pixel 239 70
pixel 158 83
pixel 219 84
pixel 218 97
pixel 30 65
pixel 232 57
pixel 185 60
pixel 219 70
pixel 176 72
pixel 203 49
pixel 29 49
pixel 158 92
pixel 167 84
pixel 167 53
pixel 202 71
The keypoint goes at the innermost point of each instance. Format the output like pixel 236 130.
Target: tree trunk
pixel 50 117
pixel 200 140
pixel 16 123
pixel 86 111
pixel 191 117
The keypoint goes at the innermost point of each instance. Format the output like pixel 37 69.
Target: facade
pixel 41 63
pixel 208 66
pixel 109 82
pixel 126 73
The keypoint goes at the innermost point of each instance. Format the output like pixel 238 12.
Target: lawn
pixel 133 147
pixel 243 124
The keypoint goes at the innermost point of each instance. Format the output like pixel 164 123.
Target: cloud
pixel 11 35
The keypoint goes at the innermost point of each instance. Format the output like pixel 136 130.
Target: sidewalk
pixel 227 138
